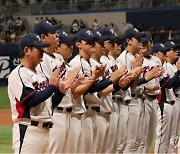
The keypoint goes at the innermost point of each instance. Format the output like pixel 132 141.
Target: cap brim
pixel 113 37
pixel 103 38
pixel 140 35
pixel 144 40
pixel 67 39
pixel 40 44
pixel 54 27
pixel 87 38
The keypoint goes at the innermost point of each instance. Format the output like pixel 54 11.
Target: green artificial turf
pixel 6 139
pixel 4 100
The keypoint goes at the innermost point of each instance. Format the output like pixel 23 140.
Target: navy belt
pixel 177 95
pixel 95 108
pixel 45 124
pixel 66 110
pixel 153 96
pixel 170 102
pixel 120 99
pixel 136 95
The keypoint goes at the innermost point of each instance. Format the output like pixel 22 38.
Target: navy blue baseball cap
pixel 158 47
pixel 31 39
pixel 85 35
pixel 147 37
pixel 171 45
pixel 108 32
pixel 133 32
pixel 44 27
pixel 99 36
pixel 64 38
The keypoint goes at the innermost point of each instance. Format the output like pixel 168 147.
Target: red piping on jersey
pixel 20 108
pixel 29 95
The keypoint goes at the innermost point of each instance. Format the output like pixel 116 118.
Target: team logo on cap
pixel 89 32
pixel 48 22
pixel 98 33
pixel 113 32
pixel 64 33
pixel 161 45
pixel 38 37
pixel 136 30
pixel 172 43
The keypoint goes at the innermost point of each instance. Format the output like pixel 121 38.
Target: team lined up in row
pixel 102 101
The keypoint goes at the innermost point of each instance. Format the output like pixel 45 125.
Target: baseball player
pixel 50 62
pixel 166 106
pixel 176 109
pixel 102 136
pixel 61 115
pixel 84 112
pixel 129 108
pixel 151 64
pixel 29 94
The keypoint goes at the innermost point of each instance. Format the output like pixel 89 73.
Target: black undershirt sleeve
pixel 142 81
pixel 99 85
pixel 36 97
pixel 172 81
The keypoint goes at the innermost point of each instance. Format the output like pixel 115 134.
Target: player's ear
pixel 26 50
pixel 43 36
pixel 128 41
pixel 78 45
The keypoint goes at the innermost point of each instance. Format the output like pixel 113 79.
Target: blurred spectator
pixel 152 30
pixel 41 18
pixel 162 33
pixel 47 19
pixel 82 24
pixel 105 26
pixel 95 25
pixel 53 21
pixel 140 27
pixel 75 27
pixel 111 26
pixel 128 25
pixel 19 25
pixel 60 23
pixel 36 21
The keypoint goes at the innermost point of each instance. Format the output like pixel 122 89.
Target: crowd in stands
pixel 11 29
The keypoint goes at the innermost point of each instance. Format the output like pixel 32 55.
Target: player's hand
pixel 136 72
pixel 178 64
pixel 98 71
pixel 151 88
pixel 138 60
pixel 154 73
pixel 54 79
pixel 125 80
pixel 118 73
pixel 73 73
pixel 65 84
pixel 84 80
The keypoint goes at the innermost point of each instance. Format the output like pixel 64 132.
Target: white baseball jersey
pixel 22 83
pixel 85 68
pixel 177 90
pixel 126 58
pixel 149 64
pixel 170 69
pixel 48 65
pixel 115 65
pixel 107 101
pixel 67 100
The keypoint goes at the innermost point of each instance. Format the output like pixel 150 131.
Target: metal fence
pixel 67 6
